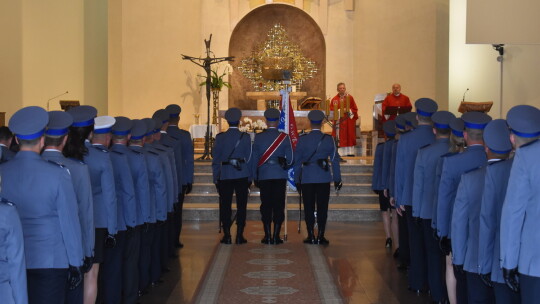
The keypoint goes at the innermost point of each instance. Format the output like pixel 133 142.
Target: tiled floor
pixel 364 269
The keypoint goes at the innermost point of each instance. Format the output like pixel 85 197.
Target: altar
pixel 262 97
pixel 302 122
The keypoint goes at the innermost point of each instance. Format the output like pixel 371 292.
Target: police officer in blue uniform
pixel 47 207
pixel 466 213
pixel 272 156
pixel 314 153
pixel 55 140
pixel 422 199
pixel 453 167
pixel 184 161
pixel 231 170
pixel 12 265
pixel 6 137
pixel 519 220
pixel 407 149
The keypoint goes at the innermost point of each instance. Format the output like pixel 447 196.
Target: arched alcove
pixel 251 31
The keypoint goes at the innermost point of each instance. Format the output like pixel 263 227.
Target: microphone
pixel 464 95
pixel 54 98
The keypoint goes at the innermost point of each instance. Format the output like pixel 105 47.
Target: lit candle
pixel 327 107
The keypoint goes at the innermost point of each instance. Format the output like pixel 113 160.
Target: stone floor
pixel 363 268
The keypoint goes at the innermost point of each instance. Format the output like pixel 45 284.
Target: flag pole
pixel 286 215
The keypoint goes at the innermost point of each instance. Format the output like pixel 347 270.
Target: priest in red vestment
pixel 348 112
pixel 396 99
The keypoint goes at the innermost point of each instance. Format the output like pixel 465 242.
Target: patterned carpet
pixel 256 273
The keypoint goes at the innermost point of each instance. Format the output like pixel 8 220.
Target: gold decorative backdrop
pixel 252 31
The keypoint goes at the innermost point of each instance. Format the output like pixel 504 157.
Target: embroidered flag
pixel 287 125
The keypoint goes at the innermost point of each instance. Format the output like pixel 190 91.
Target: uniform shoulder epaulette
pixel 101 149
pixel 220 133
pixel 175 138
pixel 167 146
pixel 6 202
pixel 425 146
pixel 449 154
pixel 529 143
pixel 160 149
pixel 56 163
pixel 152 152
pixel 136 152
pixel 118 152
pixel 381 143
pixel 471 170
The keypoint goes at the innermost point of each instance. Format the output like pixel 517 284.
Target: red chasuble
pixel 347 126
pixel 394 101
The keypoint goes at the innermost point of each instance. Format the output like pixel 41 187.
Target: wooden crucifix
pixel 206 64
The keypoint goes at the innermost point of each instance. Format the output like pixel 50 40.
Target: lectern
pixel 470 106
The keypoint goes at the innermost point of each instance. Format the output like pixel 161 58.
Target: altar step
pixel 355 201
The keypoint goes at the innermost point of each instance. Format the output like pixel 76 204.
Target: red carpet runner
pixel 255 273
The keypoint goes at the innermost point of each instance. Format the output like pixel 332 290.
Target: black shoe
pixel 165 269
pixel 173 256
pixel 226 239
pixel 141 293
pixel 267 239
pixel 321 240
pixel 402 267
pixel 179 245
pixel 310 240
pixel 396 253
pixel 277 240
pixel 240 239
pixel 388 243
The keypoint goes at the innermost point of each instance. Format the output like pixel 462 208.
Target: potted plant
pixel 216 81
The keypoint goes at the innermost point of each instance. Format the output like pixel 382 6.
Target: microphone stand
pixel 55 98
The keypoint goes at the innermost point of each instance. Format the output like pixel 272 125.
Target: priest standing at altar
pixel 343 105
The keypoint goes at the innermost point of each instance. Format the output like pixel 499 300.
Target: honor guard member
pixel 13 265
pixel 184 161
pixel 231 170
pixel 158 193
pixel 377 184
pixel 314 153
pixel 466 213
pixel 47 207
pixel 402 251
pixel 519 221
pixel 453 167
pixel 55 140
pixel 146 218
pixel 407 149
pixel 390 215
pixel 422 199
pixel 272 157
pixel 160 141
pixel 6 137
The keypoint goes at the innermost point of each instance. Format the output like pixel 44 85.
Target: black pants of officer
pixel 435 261
pixel 228 187
pixel 130 269
pixel 178 215
pixel 145 255
pixel 530 289
pixel 503 294
pixel 75 296
pixel 461 284
pixel 172 236
pixel 155 268
pixel 110 271
pixel 417 271
pixel 273 200
pixel 164 245
pixel 46 286
pixel 316 194
pixel 404 250
pixel 478 292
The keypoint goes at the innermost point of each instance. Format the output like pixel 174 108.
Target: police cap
pixel 316 116
pixel 162 115
pixel 524 120
pixel 458 126
pixel 389 128
pixel 29 123
pixel 150 126
pixel 475 120
pixel 425 107
pixel 401 122
pixel 138 131
pixel 233 115
pixel 173 110
pixel 157 124
pixel 271 114
pixel 59 123
pixel 103 124
pixel 410 119
pixel 441 119
pixel 83 116
pixel 122 126
pixel 497 136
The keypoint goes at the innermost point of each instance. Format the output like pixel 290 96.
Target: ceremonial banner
pixel 287 125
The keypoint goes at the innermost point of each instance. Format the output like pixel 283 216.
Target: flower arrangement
pixel 216 81
pixel 248 125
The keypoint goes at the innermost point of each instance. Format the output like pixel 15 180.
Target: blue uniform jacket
pixel 158 183
pixel 376 178
pixel 6 154
pixel 408 146
pixel 452 169
pixel 176 145
pixel 387 161
pixel 521 210
pixel 466 219
pixel 48 210
pixel 12 263
pixel 260 145
pixel 392 173
pixel 125 189
pixel 103 191
pixel 436 182
pixel 425 169
pixel 167 159
pixel 223 146
pixel 141 181
pixel 83 190
pixel 489 246
pixel 312 173
pixel 186 144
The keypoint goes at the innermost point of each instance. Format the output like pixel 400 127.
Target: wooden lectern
pixel 68 104
pixel 469 106
pixel 397 110
pixel 311 103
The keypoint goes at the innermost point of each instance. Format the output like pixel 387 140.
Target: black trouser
pixel 461 287
pixel 404 251
pixel 530 289
pixel 145 255
pixel 503 294
pixel 110 271
pixel 273 200
pixel 164 244
pixel 417 271
pixel 172 237
pixel 227 188
pixel 478 292
pixel 316 194
pixel 47 285
pixel 155 268
pixel 130 269
pixel 178 214
pixel 435 262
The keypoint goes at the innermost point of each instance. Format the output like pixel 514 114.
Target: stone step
pixel 338 212
pixel 347 178
pixel 348 188
pixel 254 197
pixel 205 167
